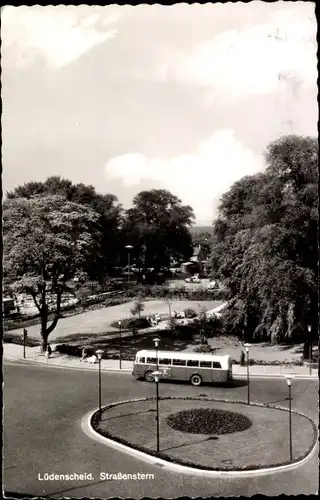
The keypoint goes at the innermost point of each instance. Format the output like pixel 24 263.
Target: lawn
pixel 130 344
pixel 93 328
pixel 99 321
pixel 265 442
pixel 261 352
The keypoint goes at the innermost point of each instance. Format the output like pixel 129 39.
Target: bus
pixel 197 368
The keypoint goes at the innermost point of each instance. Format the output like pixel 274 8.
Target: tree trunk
pixel 43 331
pixel 306 349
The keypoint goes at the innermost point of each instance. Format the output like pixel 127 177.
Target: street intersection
pixel 44 407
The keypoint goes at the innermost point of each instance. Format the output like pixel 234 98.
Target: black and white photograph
pixel 160 257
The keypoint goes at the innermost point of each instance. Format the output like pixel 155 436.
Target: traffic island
pixel 241 438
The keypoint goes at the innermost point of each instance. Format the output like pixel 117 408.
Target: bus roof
pixel 182 355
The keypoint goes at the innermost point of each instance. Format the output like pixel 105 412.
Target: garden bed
pixel 263 444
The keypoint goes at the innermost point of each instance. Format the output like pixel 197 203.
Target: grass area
pixel 99 321
pixel 264 443
pixel 130 344
pixel 24 321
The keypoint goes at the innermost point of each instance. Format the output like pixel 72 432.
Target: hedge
pixel 12 338
pixel 131 323
pixel 181 293
pixel 76 350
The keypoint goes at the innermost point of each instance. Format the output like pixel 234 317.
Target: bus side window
pixel 215 364
pixel 152 361
pixel 142 360
pixel 205 364
pixel 179 362
pixel 165 361
pixel 192 362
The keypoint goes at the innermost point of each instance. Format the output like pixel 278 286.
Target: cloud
pixel 59 34
pixel 250 61
pixel 199 178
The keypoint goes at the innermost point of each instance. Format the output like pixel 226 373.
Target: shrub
pixel 172 324
pixel 190 313
pixel 12 338
pixel 208 327
pixel 130 323
pixel 72 350
pixel 185 332
pixel 138 307
pixel 203 348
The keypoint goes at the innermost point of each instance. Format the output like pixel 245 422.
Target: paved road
pixel 98 321
pixel 43 410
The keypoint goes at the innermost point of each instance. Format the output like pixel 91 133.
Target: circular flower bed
pixel 208 421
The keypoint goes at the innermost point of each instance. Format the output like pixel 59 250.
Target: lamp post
pixel 99 354
pixel 129 247
pixel 247 347
pixel 120 344
pixel 156 343
pixel 289 380
pixel 156 375
pixel 310 350
pixel 24 338
pixel 169 305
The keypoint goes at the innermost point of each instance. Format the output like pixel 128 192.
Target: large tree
pixel 158 227
pixel 47 241
pixel 106 205
pixel 265 244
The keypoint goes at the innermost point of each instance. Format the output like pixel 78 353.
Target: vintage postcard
pixel 160 250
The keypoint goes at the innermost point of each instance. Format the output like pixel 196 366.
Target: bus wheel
pixel 196 380
pixel 149 376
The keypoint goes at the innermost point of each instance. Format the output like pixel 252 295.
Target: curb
pixel 129 370
pixel 183 469
pixel 68 367
pixel 277 375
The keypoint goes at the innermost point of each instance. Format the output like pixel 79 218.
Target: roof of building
pixel 196 250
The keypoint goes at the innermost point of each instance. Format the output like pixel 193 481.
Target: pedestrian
pixel 242 358
pixel 49 350
pixel 84 354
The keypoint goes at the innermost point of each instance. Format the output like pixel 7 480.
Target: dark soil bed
pixel 208 421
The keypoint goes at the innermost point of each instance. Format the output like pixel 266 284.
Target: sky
pixel 183 97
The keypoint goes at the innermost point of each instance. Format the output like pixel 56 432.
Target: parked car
pixel 213 285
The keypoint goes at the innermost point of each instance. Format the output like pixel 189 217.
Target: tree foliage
pixel 158 227
pixel 47 241
pixel 138 307
pixel 106 205
pixel 265 244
